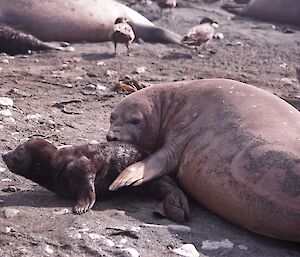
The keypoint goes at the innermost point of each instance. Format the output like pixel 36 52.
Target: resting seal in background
pixel 86 171
pixel 77 21
pixel 236 149
pixel 287 11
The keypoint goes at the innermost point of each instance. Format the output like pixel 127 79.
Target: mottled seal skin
pixel 287 11
pixel 235 148
pixel 77 21
pixel 86 171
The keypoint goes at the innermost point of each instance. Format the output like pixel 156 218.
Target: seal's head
pixel 28 156
pixel 133 121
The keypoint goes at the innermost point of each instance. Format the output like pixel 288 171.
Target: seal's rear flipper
pixel 157 35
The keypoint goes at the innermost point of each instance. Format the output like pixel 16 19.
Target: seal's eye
pixel 135 121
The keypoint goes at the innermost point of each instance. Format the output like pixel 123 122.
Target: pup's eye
pixel 135 121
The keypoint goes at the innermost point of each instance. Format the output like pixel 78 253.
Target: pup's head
pixel 29 156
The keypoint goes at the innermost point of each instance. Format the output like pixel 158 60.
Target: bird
pixel 166 4
pixel 122 33
pixel 201 34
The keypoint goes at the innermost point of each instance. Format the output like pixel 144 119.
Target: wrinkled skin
pixel 86 171
pixel 235 148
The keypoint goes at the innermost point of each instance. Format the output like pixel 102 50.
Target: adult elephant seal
pixel 77 20
pixel 287 11
pixel 236 149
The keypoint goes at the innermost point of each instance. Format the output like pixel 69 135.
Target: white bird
pixel 200 34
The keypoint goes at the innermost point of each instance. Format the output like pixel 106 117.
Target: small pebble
pixel 213 245
pixel 8 229
pixel 131 251
pixel 94 236
pixel 5 61
pixel 101 63
pixel 179 229
pixel 9 213
pixel 140 70
pixel 283 65
pixel 188 250
pixel 69 85
pixel 9 120
pixel 49 250
pixel 61 212
pixel 6 180
pixel 6 101
pixel 74 234
pixel 6 113
pixel 243 247
pixel 219 35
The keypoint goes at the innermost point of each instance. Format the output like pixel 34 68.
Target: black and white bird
pixel 201 34
pixel 122 33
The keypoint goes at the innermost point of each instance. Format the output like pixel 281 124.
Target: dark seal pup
pixel 77 21
pixel 15 42
pixel 236 149
pixel 86 171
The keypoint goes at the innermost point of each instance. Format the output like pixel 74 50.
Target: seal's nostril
pixel 110 136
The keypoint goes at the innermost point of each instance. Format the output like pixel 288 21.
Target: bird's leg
pixel 115 52
pixel 128 50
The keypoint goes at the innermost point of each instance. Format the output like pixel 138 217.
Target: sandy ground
pixel 255 52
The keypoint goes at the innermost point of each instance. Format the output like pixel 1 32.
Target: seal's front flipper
pixel 133 174
pixel 81 183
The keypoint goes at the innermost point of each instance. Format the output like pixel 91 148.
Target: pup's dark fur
pixel 86 171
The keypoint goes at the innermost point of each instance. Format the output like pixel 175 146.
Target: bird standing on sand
pixel 200 35
pixel 122 33
pixel 166 4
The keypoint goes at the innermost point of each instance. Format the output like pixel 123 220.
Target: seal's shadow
pixel 97 57
pixel 204 224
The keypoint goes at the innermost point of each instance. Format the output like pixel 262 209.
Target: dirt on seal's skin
pixel 67 97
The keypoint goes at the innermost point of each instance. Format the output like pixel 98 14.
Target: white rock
pixel 283 65
pixel 111 73
pixel 2 169
pixel 101 87
pixel 179 228
pixel 34 117
pixel 49 250
pixel 61 212
pixel 9 213
pixel 106 241
pixel 6 112
pixel 219 35
pixel 79 78
pixel 94 142
pixel 68 85
pixel 1 127
pixel 123 241
pixel 90 87
pixel 140 70
pixel 9 120
pixel 101 63
pixel 188 250
pixel 243 247
pixel 133 252
pixel 149 225
pixel 6 180
pixel 5 61
pixel 213 245
pixel 288 80
pixel 94 236
pixel 8 229
pixel 74 234
pixel 6 101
